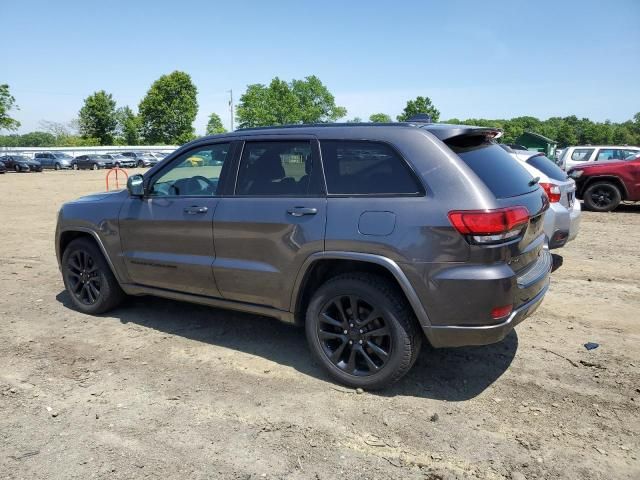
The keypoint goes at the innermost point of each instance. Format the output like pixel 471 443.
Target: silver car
pixel 54 160
pixel 562 221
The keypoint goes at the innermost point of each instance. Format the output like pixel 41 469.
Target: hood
pixel 97 197
pixel 598 165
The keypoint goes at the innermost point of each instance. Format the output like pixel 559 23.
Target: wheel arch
pixel 605 178
pixel 321 266
pixel 67 236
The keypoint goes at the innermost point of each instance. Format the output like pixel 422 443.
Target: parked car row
pixel 64 161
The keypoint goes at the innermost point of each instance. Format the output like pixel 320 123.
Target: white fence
pixel 75 151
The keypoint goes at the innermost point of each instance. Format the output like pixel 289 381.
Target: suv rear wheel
pixel 360 328
pixel 602 197
pixel 88 278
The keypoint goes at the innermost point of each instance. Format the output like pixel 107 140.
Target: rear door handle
pixel 195 210
pixel 302 211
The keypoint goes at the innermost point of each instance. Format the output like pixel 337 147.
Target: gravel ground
pixel 162 389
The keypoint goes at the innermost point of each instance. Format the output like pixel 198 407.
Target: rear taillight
pixel 552 191
pixel 490 226
pixel 501 312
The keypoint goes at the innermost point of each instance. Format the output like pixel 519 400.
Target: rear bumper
pixel 557 224
pixel 574 227
pixel 456 336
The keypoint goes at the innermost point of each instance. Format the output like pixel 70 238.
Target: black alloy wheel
pixel 602 197
pixel 83 277
pixel 354 335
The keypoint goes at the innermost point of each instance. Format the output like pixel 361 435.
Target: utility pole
pixel 231 107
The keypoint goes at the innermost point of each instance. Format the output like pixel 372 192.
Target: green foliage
pixel 7 103
pixel 564 130
pixel 380 118
pixel 417 106
pixel 97 117
pixel 214 126
pixel 355 120
pixel 168 110
pixel 128 131
pixel 281 103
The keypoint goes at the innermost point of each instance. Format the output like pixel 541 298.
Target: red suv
pixel 603 186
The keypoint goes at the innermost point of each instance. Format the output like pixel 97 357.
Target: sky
pixel 489 59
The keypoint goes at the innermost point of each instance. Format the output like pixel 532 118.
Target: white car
pixel 562 220
pixel 572 156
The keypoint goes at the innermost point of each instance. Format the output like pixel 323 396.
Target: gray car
pixel 54 160
pixel 374 237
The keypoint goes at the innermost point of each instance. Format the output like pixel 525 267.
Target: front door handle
pixel 195 210
pixel 302 211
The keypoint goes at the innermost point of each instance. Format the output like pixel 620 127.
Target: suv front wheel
pixel 88 278
pixel 361 329
pixel 602 197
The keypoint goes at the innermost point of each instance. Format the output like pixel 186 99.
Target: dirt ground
pixel 162 389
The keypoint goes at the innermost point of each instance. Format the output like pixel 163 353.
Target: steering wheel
pixel 209 186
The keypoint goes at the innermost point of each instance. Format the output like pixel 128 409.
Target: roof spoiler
pixel 446 132
pixel 420 118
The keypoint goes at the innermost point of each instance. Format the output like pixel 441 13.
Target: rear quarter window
pixel 500 173
pixel 366 168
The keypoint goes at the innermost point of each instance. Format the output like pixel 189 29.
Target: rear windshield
pixel 495 167
pixel 547 167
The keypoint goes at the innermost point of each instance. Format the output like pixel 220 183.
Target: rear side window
pixel 581 154
pixel 547 167
pixel 366 168
pixel 495 167
pixel 278 169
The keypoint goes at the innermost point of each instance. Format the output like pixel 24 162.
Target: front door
pixel 167 236
pixel 274 220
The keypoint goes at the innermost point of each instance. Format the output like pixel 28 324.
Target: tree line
pixel 166 114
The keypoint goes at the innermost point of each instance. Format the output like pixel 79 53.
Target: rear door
pixel 274 219
pixel 167 236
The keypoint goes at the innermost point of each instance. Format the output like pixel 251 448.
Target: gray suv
pixel 374 237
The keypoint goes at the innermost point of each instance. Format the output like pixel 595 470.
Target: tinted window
pixel 581 154
pixel 277 168
pixel 495 167
pixel 189 177
pixel 547 167
pixel 360 168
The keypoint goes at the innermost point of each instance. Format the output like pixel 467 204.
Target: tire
pixel 117 165
pixel 602 197
pixel 140 164
pixel 95 167
pixel 16 168
pixel 88 279
pixel 57 166
pixel 400 337
pixel 75 166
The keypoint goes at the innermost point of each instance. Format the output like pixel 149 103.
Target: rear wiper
pixel 533 181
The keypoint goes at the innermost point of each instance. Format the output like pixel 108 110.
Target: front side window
pixel 365 168
pixel 581 154
pixel 277 168
pixel 190 177
pixel 607 154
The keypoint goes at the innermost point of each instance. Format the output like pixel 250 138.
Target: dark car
pixel 93 162
pixel 374 237
pixel 120 160
pixel 3 168
pixel 20 163
pixel 603 185
pixel 142 159
pixel 54 160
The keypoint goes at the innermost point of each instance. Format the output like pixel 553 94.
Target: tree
pixel 281 103
pixel 214 126
pixel 380 118
pixel 355 120
pixel 168 110
pixel 97 118
pixel 417 106
pixel 7 103
pixel 128 126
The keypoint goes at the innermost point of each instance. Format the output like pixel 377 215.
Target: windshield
pixel 20 158
pixel 495 167
pixel 107 157
pixel 546 166
pixel 62 155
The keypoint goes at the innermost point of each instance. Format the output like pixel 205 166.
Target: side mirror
pixel 135 185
